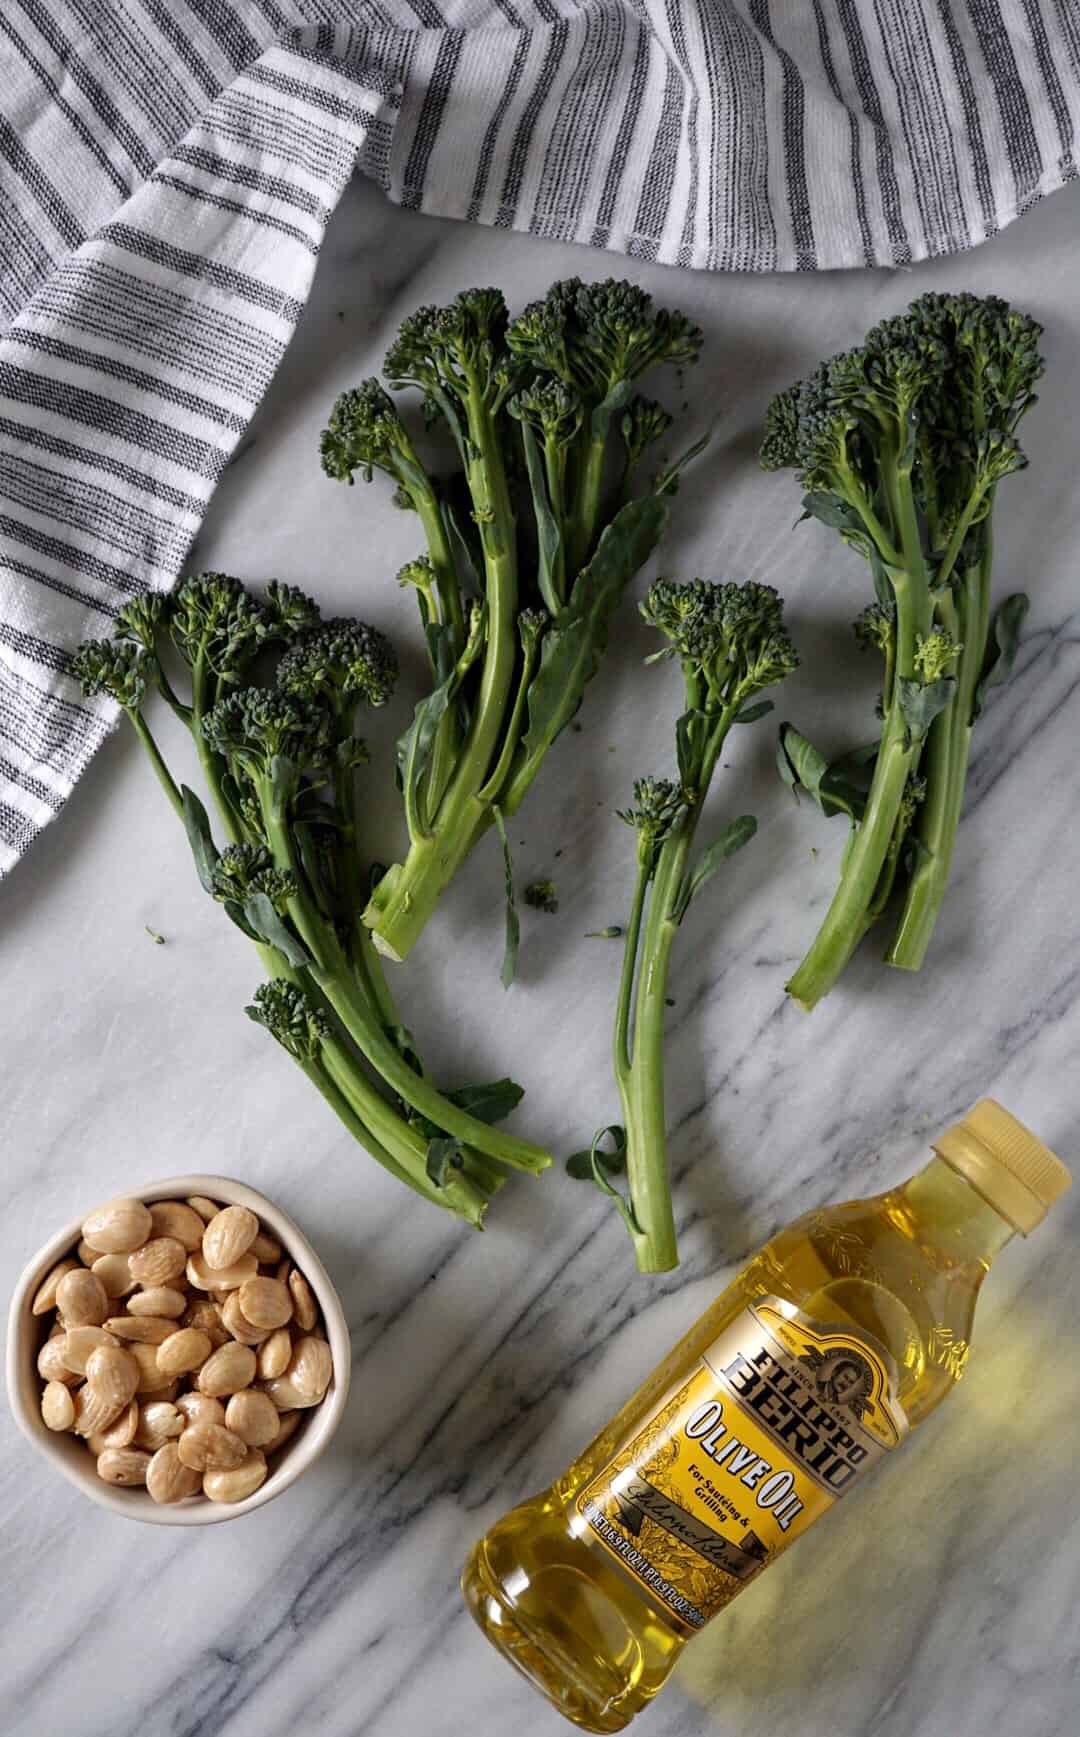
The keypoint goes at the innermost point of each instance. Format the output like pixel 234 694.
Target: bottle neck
pixel 954 1216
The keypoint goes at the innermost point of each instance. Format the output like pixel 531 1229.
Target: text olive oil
pixel 845 1332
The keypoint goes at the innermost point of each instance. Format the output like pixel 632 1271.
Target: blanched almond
pixel 126 1467
pixel 151 1379
pixel 79 1342
pixel 118 1227
pixel 120 1434
pixel 272 1357
pixel 51 1365
pixel 45 1295
pixel 310 1369
pixel 266 1302
pixel 58 1407
pixel 159 1422
pixel 114 1373
pixel 159 1260
pixel 229 1235
pixel 206 1209
pixel 238 1325
pixel 174 1218
pixel 183 1351
pixel 288 1424
pixel 160 1300
pixel 305 1308
pixel 145 1329
pixel 196 1408
pixel 237 1485
pixel 209 1447
pixel 206 1316
pixel 253 1417
pixel 286 1396
pixel 115 1274
pixel 265 1249
pixel 231 1367
pixel 206 1278
pixel 168 1479
pixel 93 1411
pixel 82 1299
pixel 85 1255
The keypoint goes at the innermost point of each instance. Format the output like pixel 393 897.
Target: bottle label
pixel 779 1419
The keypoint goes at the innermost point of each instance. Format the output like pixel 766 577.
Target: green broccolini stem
pixel 164 776
pixel 204 693
pixel 442 560
pixel 946 766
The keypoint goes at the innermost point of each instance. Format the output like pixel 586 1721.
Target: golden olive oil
pixel 846 1331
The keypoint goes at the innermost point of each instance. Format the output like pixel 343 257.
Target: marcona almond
pixel 207 1317
pixel 93 1411
pixel 183 1351
pixel 82 1299
pixel 51 1365
pixel 159 1260
pixel 210 1447
pixel 118 1227
pixel 206 1278
pixel 229 1235
pixel 158 1300
pixel 57 1406
pixel 285 1396
pixel 174 1218
pixel 310 1369
pixel 272 1357
pixel 237 1485
pixel 196 1408
pixel 231 1367
pixel 283 1269
pixel 79 1342
pixel 146 1329
pixel 253 1417
pixel 120 1434
pixel 159 1422
pixel 266 1303
pixel 151 1379
pixel 265 1249
pixel 305 1307
pixel 168 1479
pixel 45 1295
pixel 126 1467
pixel 206 1209
pixel 85 1254
pixel 236 1321
pixel 114 1373
pixel 115 1274
pixel 288 1424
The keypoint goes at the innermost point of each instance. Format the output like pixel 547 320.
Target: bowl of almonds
pixel 179 1353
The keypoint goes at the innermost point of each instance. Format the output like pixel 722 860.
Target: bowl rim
pixel 136 1504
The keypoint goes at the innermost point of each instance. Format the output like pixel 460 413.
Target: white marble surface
pixel 943 1600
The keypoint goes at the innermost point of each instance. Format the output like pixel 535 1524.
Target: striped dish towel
pixel 168 168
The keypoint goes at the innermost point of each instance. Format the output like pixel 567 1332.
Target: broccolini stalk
pixel 731 642
pixel 532 410
pixel 901 445
pixel 279 762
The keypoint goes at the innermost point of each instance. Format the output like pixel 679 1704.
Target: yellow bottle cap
pixel 1006 1163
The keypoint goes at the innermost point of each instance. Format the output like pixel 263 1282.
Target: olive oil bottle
pixel 846 1331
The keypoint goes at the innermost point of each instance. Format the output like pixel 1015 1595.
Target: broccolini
pixel 272 697
pixel 900 446
pixel 732 644
pixel 530 543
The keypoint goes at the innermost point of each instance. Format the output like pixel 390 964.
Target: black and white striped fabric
pixel 168 168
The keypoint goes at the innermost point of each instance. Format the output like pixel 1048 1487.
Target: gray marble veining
pixel 940 1600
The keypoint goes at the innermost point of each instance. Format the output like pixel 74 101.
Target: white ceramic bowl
pixel 69 1455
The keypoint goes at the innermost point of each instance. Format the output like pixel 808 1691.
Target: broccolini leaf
pixel 734 836
pixel 548 533
pixel 804 767
pixel 920 703
pixel 263 918
pixel 576 639
pixel 599 1167
pixel 489 1103
pixel 1002 649
pixel 750 714
pixel 203 848
pixel 443 1156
